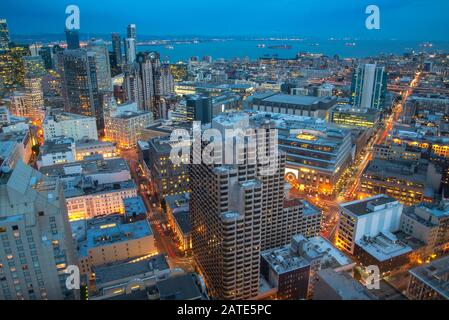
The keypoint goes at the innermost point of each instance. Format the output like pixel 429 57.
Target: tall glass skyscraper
pixel 4 35
pixel 102 64
pixel 369 87
pixel 117 48
pixel 131 32
pixel 80 87
pixel 73 39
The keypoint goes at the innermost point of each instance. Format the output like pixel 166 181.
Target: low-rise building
pixel 14 147
pixel 58 123
pixel 124 124
pixel 429 224
pixel 110 239
pixel 411 182
pixel 430 281
pixel 57 151
pixel 308 106
pixel 124 278
pixel 88 148
pixel 135 209
pixel 384 250
pixel 332 285
pixel 367 218
pixel 348 116
pixel 85 199
pixel 99 170
pixel 292 269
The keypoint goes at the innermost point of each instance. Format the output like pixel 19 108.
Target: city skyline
pixel 260 168
pixel 401 20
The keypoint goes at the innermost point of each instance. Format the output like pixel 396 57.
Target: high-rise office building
pixel 199 108
pixel 12 69
pixel 117 49
pixel 46 55
pixel 33 67
pixel 34 97
pixel 4 35
pixel 239 209
pixel 102 65
pixel 35 237
pixel 369 87
pixel 130 50
pixel 73 39
pixel 131 31
pixel 80 88
pixel 131 83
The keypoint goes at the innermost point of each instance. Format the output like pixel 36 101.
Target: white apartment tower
pixel 36 243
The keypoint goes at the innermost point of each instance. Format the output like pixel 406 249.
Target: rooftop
pixel 180 287
pixel 303 252
pixel 344 285
pixel 369 205
pixel 118 271
pixel 435 275
pixel 134 206
pixel 106 231
pixel 384 247
pixel 86 167
pixel 296 100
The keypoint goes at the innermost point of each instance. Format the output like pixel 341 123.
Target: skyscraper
pixel 147 81
pixel 73 39
pixel 4 35
pixel 34 97
pixel 369 87
pixel 117 48
pixel 131 31
pixel 12 69
pixel 199 108
pixel 130 50
pixel 80 88
pixel 102 64
pixel 46 55
pixel 239 209
pixel 36 237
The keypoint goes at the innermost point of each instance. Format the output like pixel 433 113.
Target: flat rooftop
pixel 106 231
pixel 87 167
pixel 435 275
pixel 134 206
pixel 344 285
pixel 57 115
pixel 181 287
pixel 296 100
pixel 119 271
pixel 87 187
pixel 384 247
pixel 369 205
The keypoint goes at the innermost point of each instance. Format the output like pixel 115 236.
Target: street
pixel 165 242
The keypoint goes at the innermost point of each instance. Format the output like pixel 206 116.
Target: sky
pixel 421 20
